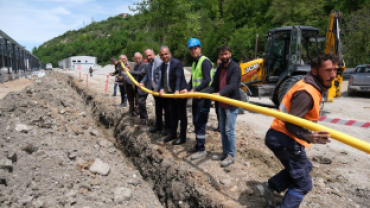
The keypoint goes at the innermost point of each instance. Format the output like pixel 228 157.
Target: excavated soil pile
pixel 53 154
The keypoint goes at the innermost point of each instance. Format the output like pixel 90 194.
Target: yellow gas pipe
pixel 339 136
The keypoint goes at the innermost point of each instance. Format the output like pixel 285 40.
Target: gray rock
pixel 6 164
pixel 38 203
pixel 25 199
pixel 30 148
pixel 133 181
pixel 72 155
pixel 322 160
pixel 21 128
pixel 94 133
pixel 3 174
pixel 50 203
pixel 62 111
pixel 122 194
pixel 99 167
pixel 104 142
pixel 12 155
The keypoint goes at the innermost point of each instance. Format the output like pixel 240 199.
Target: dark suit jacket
pixel 138 73
pixel 176 77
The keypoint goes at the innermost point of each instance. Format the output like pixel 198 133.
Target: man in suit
pixel 173 81
pixel 138 95
pixel 151 81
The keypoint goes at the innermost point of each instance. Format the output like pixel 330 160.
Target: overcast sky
pixel 33 22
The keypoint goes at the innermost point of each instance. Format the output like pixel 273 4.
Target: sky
pixel 33 22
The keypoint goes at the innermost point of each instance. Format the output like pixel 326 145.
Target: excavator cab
pixel 286 59
pixel 289 51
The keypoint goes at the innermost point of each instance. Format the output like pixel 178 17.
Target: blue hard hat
pixel 194 42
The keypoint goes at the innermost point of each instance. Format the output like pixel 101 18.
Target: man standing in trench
pixel 288 141
pixel 201 78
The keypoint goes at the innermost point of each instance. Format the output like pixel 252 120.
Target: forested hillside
pixel 214 22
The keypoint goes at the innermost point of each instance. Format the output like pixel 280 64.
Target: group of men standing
pixel 165 75
pixel 287 141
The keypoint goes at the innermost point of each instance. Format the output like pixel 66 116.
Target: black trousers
pixel 200 111
pixel 160 104
pixel 178 109
pixel 296 174
pixel 216 109
pixel 122 90
pixel 142 106
pixel 133 99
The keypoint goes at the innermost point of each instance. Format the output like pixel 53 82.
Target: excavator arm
pixel 334 46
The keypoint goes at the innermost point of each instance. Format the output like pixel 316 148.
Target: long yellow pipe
pixel 339 136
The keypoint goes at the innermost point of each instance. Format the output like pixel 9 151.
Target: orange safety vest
pixel 312 115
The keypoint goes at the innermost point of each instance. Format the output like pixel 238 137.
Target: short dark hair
pixel 317 61
pixel 224 48
pixel 113 59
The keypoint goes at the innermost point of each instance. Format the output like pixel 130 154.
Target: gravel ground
pixel 54 154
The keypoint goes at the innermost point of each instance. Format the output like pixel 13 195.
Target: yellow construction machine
pixel 286 60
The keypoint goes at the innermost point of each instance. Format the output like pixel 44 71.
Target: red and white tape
pixel 363 124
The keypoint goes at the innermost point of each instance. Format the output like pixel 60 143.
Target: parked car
pixel 359 80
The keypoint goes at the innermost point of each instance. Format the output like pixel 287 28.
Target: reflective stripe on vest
pixel 197 74
pixel 312 115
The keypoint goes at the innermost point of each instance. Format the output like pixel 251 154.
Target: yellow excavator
pixel 286 60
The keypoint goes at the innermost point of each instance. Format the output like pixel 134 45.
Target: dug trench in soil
pixel 179 182
pixel 53 153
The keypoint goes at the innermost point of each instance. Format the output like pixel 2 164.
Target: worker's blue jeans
pixel 200 110
pixel 296 175
pixel 115 89
pixel 227 129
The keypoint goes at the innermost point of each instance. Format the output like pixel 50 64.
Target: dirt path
pixel 14 86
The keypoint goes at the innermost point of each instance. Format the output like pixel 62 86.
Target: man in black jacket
pixel 173 81
pixel 119 79
pixel 136 94
pixel 226 83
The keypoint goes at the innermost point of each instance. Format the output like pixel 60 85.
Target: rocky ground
pixel 54 154
pixel 57 146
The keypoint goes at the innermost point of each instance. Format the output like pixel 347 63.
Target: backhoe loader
pixel 286 60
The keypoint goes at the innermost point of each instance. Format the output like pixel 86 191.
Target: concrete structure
pixel 15 60
pixel 82 63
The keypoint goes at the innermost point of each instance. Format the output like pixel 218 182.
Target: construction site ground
pixel 341 174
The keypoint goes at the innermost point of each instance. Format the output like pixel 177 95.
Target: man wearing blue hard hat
pixel 201 78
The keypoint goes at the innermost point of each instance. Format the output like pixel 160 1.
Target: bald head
pixel 149 54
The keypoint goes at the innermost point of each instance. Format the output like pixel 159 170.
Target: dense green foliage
pixel 214 22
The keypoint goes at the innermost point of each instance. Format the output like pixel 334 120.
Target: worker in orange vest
pixel 288 141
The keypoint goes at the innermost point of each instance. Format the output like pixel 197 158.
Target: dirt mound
pixel 53 154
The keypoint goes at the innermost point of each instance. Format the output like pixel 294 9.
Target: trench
pixel 176 182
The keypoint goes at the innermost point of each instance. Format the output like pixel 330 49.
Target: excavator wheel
pixel 285 87
pixel 245 98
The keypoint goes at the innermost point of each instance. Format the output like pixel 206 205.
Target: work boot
pixel 267 193
pixel 198 155
pixel 219 157
pixel 179 141
pixel 169 137
pixel 123 105
pixel 154 129
pixel 227 161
